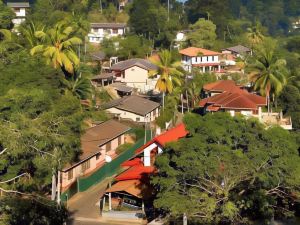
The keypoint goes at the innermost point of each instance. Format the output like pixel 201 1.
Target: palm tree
pixel 254 34
pixel 170 76
pixel 29 30
pixel 58 47
pixel 267 72
pixel 80 87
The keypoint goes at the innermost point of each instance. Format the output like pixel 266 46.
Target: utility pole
pixel 100 4
pixel 168 10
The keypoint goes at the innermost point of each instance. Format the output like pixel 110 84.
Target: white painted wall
pixel 97 35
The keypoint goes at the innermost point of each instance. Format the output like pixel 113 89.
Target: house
pixel 237 51
pixel 225 96
pixel 135 73
pixel 20 9
pixel 132 187
pixel 205 60
pixel 99 31
pixel 103 79
pixel 134 108
pixel 219 87
pixel 98 145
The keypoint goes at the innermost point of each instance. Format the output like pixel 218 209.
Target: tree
pixel 58 48
pixel 169 75
pixel 254 34
pixel 79 86
pixel 31 211
pixel 196 175
pixel 134 46
pixel 267 72
pixel 6 17
pixel 203 34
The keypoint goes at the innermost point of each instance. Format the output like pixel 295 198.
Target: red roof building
pixel 226 96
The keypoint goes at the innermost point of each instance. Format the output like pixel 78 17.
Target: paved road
pixel 84 210
pixel 83 207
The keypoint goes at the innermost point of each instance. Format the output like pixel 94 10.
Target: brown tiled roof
pixel 108 25
pixel 103 76
pixel 238 100
pixel 143 63
pixel 221 86
pixel 97 136
pixel 240 49
pixel 193 51
pixel 18 4
pixel 133 103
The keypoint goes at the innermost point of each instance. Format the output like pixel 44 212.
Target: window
pixel 137 119
pixel 108 146
pixel 207 59
pixel 70 174
pixel 196 59
pixel 120 140
pixel 98 156
pixel 115 31
pixel 213 58
pixel 85 166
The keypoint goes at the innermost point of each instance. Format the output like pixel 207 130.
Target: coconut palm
pixel 58 47
pixel 80 87
pixel 254 34
pixel 170 76
pixel 267 72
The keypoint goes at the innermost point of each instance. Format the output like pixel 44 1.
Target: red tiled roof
pixel 170 135
pixel 135 172
pixel 193 51
pixel 133 162
pixel 237 100
pixel 221 86
pixel 213 108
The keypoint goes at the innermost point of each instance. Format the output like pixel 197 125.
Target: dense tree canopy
pixel 228 174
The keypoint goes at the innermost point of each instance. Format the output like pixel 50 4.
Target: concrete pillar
pixel 232 113
pixel 219 68
pixel 58 186
pixel 259 113
pixel 209 68
pixel 203 69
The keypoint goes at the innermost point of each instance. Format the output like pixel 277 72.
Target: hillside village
pixel 149 112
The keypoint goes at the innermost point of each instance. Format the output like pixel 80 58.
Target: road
pixel 84 209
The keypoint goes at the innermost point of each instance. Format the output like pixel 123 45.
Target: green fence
pixel 107 170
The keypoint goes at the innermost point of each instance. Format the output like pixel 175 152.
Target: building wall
pixel 97 35
pixel 137 77
pixel 20 12
pixel 94 163
pixel 134 117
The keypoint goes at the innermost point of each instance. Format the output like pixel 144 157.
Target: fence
pixel 107 170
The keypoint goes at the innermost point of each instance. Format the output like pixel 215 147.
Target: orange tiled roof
pixel 193 51
pixel 221 86
pixel 136 172
pixel 237 100
pixel 170 135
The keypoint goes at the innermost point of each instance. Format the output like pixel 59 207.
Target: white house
pixel 205 60
pixel 134 108
pixel 20 9
pixel 99 31
pixel 135 73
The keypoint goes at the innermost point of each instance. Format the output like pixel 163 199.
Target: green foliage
pixel 219 174
pixel 31 211
pixel 134 46
pixel 6 16
pixel 203 34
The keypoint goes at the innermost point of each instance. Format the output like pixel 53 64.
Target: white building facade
pixel 99 31
pixel 20 9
